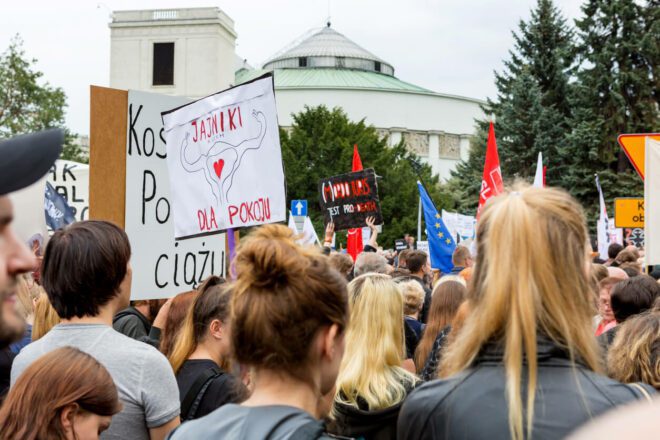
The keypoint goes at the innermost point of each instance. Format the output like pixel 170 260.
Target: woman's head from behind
pixel 289 308
pixel 447 298
pixel 531 276
pixel 207 321
pixel 65 394
pixel 635 353
pixel 375 344
pixel 413 297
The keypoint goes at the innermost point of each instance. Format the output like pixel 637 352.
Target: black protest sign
pixel 348 199
pixel 400 244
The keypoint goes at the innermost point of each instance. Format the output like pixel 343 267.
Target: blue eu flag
pixel 441 243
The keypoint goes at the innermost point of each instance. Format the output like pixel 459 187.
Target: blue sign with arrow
pixel 299 208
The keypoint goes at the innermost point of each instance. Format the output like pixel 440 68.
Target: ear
pixel 67 415
pixel 216 328
pixel 329 341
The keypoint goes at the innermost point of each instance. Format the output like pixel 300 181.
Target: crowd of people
pixel 528 337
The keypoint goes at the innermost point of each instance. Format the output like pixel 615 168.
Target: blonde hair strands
pixel 531 275
pixel 375 345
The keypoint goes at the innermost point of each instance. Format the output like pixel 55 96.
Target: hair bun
pixel 269 258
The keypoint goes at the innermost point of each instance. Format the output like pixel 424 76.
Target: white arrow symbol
pixel 299 207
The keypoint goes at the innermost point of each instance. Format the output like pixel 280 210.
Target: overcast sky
pixel 449 46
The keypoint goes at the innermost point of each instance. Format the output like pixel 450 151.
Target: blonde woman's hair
pixel 27 292
pixel 635 353
pixel 413 296
pixel 45 317
pixel 447 278
pixel 530 277
pixel 375 345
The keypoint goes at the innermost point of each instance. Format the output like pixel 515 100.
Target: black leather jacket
pixel 472 404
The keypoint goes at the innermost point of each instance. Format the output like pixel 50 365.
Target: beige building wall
pixel 204 50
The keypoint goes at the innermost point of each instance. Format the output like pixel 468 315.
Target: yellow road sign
pixel 628 212
pixel 633 146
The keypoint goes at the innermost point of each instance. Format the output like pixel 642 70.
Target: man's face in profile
pixel 15 259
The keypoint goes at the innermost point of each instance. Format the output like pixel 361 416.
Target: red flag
pixel 491 182
pixel 354 237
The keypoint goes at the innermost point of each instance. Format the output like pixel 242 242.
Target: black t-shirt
pixel 225 388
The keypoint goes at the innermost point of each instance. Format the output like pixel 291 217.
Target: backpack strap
pixel 194 395
pixel 309 431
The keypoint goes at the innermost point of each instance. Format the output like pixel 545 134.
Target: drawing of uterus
pixel 222 161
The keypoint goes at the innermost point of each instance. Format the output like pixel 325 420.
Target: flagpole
pixel 419 221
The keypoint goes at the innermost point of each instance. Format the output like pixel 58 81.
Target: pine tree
pixel 320 144
pixel 616 92
pixel 532 108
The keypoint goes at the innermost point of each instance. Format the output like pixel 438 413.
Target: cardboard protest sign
pixel 348 199
pixel 162 267
pixel 225 161
pixel 71 181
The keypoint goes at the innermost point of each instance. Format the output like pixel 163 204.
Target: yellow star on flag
pixel 437 225
pixel 448 241
pixel 437 215
pixel 440 235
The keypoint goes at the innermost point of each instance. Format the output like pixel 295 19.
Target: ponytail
pixel 185 342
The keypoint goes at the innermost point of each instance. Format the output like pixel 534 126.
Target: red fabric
pixel 605 326
pixel 491 182
pixel 544 170
pixel 354 243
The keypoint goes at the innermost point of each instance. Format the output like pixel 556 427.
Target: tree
pixel 26 105
pixel 616 92
pixel 532 108
pixel 320 144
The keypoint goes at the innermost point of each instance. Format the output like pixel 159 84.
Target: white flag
pixel 602 227
pixel 308 232
pixel 652 202
pixel 292 224
pixel 538 177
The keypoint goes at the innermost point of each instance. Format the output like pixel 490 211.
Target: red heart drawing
pixel 217 166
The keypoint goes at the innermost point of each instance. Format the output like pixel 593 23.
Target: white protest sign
pixel 652 201
pixel 161 267
pixel 71 180
pixel 225 161
pixel 458 224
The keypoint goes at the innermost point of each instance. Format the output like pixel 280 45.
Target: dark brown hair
pixel 416 261
pixel 60 378
pixel 633 296
pixel 342 262
pixel 175 317
pixel 447 298
pixel 283 295
pixel 83 267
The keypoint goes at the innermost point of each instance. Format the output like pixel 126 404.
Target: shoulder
pixel 617 392
pixel 418 416
pixel 27 355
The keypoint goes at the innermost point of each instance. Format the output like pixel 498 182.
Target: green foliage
pixel 569 94
pixel 28 105
pixel 531 110
pixel 320 144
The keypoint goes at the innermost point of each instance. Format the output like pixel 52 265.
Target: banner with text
pixel 162 267
pixel 348 199
pixel 225 161
pixel 71 180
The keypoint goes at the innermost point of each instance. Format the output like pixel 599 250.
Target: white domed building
pixel 325 67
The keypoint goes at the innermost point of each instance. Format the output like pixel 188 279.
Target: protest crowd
pixel 528 335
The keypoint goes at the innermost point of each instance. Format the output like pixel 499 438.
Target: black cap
pixel 25 159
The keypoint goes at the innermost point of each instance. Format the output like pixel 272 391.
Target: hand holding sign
pixel 348 199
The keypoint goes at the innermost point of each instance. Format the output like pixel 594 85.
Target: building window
pixel 163 74
pixel 377 66
pixel 341 62
pixel 302 62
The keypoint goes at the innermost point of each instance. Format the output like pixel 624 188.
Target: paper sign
pixel 348 199
pixel 225 161
pixel 71 181
pixel 628 212
pixel 652 202
pixel 161 267
pixel 463 226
